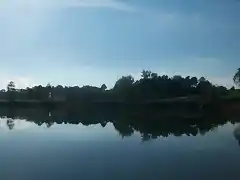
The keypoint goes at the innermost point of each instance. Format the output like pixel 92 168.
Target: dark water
pixel 31 149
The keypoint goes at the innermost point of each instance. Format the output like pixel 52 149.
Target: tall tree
pixel 11 88
pixel 124 82
pixel 103 87
pixel 202 79
pixel 146 74
pixel 194 82
pixel 236 77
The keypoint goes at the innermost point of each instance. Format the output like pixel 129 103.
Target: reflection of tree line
pixel 149 122
pixel 10 124
pixel 237 134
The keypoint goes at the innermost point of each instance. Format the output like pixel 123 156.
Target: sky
pixel 79 42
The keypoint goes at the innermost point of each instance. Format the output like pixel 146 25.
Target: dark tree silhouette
pixel 202 79
pixel 150 87
pixel 11 86
pixel 154 75
pixel 236 77
pixel 104 87
pixel 124 82
pixel 11 91
pixel 146 74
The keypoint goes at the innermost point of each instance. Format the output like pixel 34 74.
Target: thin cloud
pixel 39 4
pixel 113 4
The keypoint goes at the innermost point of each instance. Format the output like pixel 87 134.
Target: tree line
pixel 151 86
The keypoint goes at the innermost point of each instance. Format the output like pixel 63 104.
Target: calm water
pixel 73 151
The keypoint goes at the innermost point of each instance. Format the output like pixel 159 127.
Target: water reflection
pixel 237 134
pixel 10 124
pixel 151 124
pixel 62 145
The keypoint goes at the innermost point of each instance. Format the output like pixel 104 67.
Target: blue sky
pixel 77 42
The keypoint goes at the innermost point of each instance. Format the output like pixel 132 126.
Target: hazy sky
pixel 76 42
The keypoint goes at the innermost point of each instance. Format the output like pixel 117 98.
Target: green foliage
pixel 234 94
pixel 232 88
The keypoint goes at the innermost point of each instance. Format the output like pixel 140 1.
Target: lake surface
pixel 64 151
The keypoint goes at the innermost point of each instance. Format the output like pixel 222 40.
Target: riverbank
pixel 160 101
pixel 193 100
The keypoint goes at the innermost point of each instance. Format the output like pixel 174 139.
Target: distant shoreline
pixel 164 101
